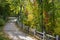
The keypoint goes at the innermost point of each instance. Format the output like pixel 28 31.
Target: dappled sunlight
pixel 39 18
pixel 14 33
pixel 22 37
pixel 26 38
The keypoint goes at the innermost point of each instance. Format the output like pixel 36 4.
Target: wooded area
pixel 42 15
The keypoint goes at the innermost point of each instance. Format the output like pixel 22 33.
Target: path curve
pixel 13 32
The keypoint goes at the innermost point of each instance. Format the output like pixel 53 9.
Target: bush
pixel 3 36
pixel 2 22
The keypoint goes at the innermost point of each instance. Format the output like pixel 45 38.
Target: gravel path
pixel 13 32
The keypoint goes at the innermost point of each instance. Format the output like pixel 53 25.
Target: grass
pixel 3 36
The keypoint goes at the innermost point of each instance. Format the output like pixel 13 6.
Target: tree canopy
pixel 38 14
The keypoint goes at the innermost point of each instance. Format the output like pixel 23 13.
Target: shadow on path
pixel 13 32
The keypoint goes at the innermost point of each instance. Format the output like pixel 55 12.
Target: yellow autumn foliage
pixel 30 17
pixel 57 30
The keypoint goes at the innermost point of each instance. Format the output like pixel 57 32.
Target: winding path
pixel 14 33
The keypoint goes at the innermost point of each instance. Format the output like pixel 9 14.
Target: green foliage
pixel 2 22
pixel 3 36
pixel 39 9
pixel 36 13
pixel 9 7
pixel 31 16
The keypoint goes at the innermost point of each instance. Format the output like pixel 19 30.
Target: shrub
pixel 3 36
pixel 2 22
